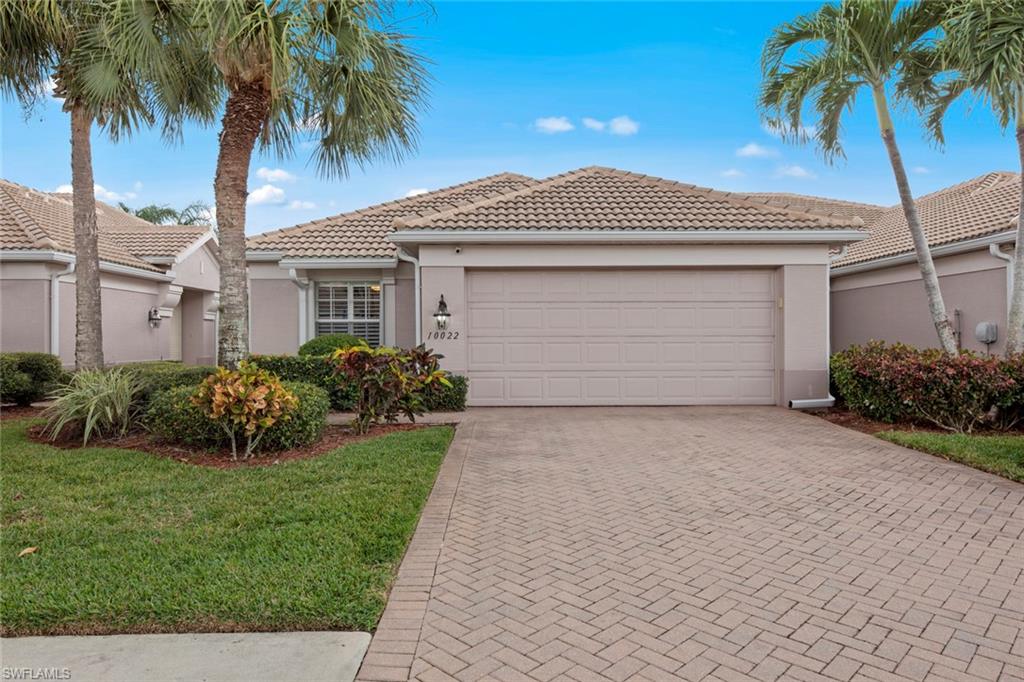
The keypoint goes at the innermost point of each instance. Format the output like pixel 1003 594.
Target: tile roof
pixel 364 233
pixel 34 220
pixel 984 205
pixel 805 202
pixel 597 198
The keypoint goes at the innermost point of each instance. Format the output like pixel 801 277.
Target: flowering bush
pixel 389 381
pixel 900 383
pixel 245 402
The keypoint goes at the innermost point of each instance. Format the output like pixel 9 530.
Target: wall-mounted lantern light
pixel 441 315
pixel 154 317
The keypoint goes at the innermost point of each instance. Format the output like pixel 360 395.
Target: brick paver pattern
pixel 703 544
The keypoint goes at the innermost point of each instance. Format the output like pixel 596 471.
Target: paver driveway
pixel 703 543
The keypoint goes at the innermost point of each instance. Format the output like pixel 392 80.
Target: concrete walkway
pixel 237 657
pixel 703 544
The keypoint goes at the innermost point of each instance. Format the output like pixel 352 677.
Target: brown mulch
pixel 851 420
pixel 333 438
pixel 15 412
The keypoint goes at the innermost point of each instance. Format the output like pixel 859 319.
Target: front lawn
pixel 131 542
pixel 1000 455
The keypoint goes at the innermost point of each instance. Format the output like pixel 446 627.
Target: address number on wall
pixel 443 336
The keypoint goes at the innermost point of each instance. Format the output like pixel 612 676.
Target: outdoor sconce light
pixel 441 315
pixel 154 317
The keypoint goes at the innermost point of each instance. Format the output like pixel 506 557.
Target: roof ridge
pixel 32 229
pixel 375 208
pixel 817 197
pixel 412 219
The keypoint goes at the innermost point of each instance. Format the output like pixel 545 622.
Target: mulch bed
pixel 850 420
pixel 15 412
pixel 334 437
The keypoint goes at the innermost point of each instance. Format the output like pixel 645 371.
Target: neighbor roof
pixel 364 233
pixel 34 220
pixel 804 202
pixel 984 205
pixel 598 198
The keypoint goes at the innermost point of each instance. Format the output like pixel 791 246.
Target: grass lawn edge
pixel 1001 455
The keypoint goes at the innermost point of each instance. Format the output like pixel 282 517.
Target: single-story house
pixel 876 284
pixel 159 283
pixel 595 287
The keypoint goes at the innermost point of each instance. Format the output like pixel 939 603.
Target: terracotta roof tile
pixel 364 233
pixel 597 198
pixel 984 205
pixel 838 207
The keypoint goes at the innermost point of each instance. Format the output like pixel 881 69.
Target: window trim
pixel 350 301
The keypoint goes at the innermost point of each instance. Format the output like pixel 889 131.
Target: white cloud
pixel 794 171
pixel 551 125
pixel 274 175
pixel 733 173
pixel 267 194
pixel 63 189
pixel 415 192
pixel 137 186
pixel 756 151
pixel 101 192
pixel 921 170
pixel 623 125
pixel 299 205
pixel 593 124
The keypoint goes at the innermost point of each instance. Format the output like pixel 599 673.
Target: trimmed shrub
pixel 391 381
pixel 450 398
pixel 96 402
pixel 28 377
pixel 899 383
pixel 328 343
pixel 312 369
pixel 174 418
pixel 160 376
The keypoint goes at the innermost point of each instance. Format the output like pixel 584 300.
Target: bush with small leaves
pixel 312 369
pixel 328 343
pixel 28 377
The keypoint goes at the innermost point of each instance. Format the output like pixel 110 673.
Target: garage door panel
pixel 621 337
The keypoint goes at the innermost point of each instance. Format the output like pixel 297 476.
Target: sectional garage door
pixel 621 337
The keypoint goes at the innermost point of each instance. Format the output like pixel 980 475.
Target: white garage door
pixel 621 337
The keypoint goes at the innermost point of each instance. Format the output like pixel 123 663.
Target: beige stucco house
pixel 876 284
pixel 595 287
pixel 159 283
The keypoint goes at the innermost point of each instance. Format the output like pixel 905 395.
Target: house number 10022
pixel 443 336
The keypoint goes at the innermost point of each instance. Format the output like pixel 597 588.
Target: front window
pixel 349 308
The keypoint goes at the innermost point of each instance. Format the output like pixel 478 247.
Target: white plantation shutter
pixel 349 308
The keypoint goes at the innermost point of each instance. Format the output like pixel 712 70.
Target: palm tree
pixel 982 50
pixel 841 49
pixel 196 213
pixel 330 70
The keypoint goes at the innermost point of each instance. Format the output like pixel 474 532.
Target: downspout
pixel 303 304
pixel 408 258
pixel 998 253
pixel 55 308
pixel 817 403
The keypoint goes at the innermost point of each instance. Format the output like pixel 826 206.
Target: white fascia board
pixel 195 246
pixel 627 236
pixel 337 263
pixel 105 266
pixel 938 251
pixel 264 256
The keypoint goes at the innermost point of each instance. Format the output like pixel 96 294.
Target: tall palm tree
pixel 329 70
pixel 835 52
pixel 982 52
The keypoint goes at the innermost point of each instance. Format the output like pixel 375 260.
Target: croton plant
pixel 245 403
pixel 390 381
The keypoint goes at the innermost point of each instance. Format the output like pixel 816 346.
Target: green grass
pixel 131 542
pixel 1000 455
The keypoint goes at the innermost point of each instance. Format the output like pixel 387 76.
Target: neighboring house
pixel 159 282
pixel 876 284
pixel 596 287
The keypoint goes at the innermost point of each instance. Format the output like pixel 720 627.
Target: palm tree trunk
pixel 246 111
pixel 1015 321
pixel 943 327
pixel 88 314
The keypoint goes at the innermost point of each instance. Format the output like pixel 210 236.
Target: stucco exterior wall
pixel 890 305
pixel 803 344
pixel 273 316
pixel 24 315
pixel 199 270
pixel 405 304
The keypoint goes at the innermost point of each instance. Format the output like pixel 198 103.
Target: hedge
pixel 897 383
pixel 172 417
pixel 161 375
pixel 328 343
pixel 316 370
pixel 28 377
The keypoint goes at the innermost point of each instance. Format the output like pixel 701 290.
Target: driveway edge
pixel 393 646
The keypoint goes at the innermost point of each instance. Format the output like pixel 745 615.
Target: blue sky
pixel 666 89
